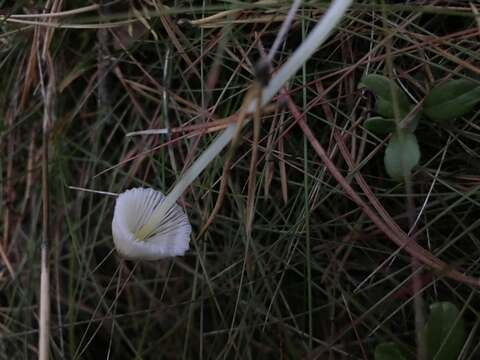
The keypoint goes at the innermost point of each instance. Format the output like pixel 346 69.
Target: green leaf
pixel 379 125
pixel 451 99
pixel 444 332
pixel 402 155
pixel 388 351
pixel 381 87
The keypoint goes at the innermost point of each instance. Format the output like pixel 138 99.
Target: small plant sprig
pixel 443 335
pixel 445 102
pixel 137 228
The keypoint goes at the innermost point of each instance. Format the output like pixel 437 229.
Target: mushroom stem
pixel 188 177
pixel 316 37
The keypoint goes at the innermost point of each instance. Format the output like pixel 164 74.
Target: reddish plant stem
pixel 388 227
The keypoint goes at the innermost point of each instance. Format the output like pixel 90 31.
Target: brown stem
pixel 388 227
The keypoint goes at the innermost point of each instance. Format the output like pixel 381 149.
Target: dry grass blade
pixel 48 87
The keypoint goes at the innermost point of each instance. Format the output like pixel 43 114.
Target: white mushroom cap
pixel 133 209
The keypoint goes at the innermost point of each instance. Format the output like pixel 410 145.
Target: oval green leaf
pixel 379 125
pixel 401 155
pixel 384 91
pixel 388 351
pixel 444 332
pixel 451 99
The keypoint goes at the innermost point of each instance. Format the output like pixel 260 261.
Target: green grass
pixel 316 278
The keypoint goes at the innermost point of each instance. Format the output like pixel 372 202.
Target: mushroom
pixel 170 236
pixel 147 224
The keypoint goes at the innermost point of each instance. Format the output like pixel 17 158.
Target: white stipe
pixel 315 38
